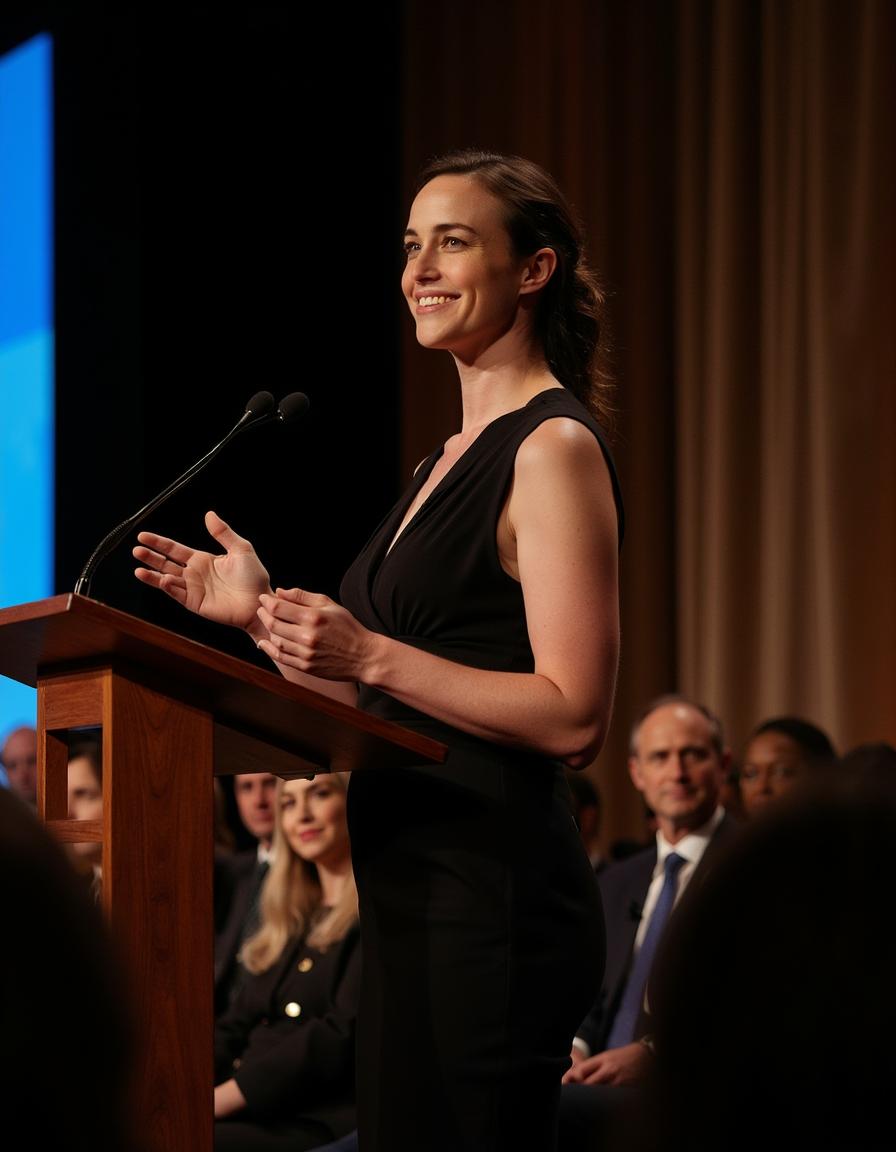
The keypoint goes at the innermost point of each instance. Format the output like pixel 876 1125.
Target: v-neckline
pixel 401 532
pixel 434 459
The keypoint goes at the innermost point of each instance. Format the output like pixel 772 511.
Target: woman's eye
pixel 453 242
pixel 410 247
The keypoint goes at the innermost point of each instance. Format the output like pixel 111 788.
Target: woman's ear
pixel 538 270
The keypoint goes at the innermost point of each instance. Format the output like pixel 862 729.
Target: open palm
pixel 223 587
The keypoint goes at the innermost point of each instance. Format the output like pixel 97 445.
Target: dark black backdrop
pixel 228 216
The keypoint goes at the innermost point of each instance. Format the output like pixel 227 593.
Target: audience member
pixel 225 846
pixel 588 809
pixel 780 754
pixel 285 1048
pixel 68 1058
pixel 678 760
pixel 873 763
pixel 242 875
pixel 774 1004
pixel 85 802
pixel 19 758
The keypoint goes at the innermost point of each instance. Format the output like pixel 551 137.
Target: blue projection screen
pixel 26 342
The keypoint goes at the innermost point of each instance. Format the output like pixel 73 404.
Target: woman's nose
pixel 426 265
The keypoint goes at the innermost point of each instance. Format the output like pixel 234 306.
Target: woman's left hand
pixel 313 633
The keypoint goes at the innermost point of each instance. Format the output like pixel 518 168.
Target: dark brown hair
pixel 812 741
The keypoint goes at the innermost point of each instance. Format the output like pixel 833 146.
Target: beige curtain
pixel 734 166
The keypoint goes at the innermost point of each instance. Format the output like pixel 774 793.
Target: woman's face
pixel 462 280
pixel 773 764
pixel 85 800
pixel 312 813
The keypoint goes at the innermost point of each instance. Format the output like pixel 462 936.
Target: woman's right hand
pixel 224 588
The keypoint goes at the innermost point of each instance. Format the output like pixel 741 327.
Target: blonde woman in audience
pixel 285 1048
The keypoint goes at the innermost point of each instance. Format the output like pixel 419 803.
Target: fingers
pixel 229 540
pixel 597 1072
pixel 291 604
pixel 148 576
pixel 273 610
pixel 284 645
pixel 582 1071
pixel 300 596
pixel 160 571
pixel 285 648
pixel 162 563
pixel 157 549
pixel 573 1074
pixel 285 652
pixel 291 617
pixel 174 587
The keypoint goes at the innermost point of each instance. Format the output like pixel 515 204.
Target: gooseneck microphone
pixel 259 410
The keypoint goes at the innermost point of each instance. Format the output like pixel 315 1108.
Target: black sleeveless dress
pixel 481 923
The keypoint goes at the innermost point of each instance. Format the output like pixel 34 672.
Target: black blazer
pixel 288 1038
pixel 623 887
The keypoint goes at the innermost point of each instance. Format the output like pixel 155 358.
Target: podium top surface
pixel 68 633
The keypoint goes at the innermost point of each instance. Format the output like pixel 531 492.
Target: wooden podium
pixel 173 714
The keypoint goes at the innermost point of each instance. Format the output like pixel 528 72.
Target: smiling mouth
pixel 432 301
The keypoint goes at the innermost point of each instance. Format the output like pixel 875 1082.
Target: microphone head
pixel 293 406
pixel 261 404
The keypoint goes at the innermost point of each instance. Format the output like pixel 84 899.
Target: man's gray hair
pixel 716 734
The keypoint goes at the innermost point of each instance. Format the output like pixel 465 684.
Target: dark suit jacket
pixel 288 1038
pixel 235 877
pixel 223 887
pixel 623 886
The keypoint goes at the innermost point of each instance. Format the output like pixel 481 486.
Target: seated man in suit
pixel 255 794
pixel 678 761
pixel 773 997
